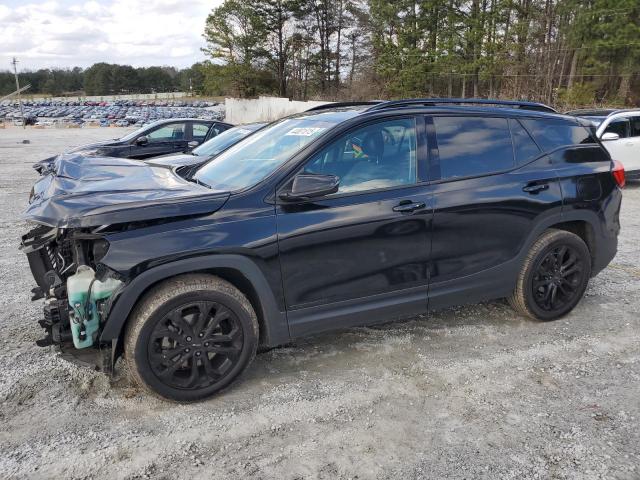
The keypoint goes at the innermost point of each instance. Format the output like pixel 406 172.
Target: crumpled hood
pixel 47 165
pixel 107 190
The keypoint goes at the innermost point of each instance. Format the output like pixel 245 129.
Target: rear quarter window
pixel 524 148
pixel 472 146
pixel 553 134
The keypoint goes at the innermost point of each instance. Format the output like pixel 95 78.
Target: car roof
pixel 342 112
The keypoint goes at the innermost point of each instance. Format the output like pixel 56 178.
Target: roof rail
pixel 431 102
pixel 342 104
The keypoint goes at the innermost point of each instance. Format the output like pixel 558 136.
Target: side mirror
pixel 308 185
pixel 193 144
pixel 609 136
pixel 143 140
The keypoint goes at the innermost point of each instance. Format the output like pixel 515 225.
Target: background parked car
pixel 159 138
pixel 619 131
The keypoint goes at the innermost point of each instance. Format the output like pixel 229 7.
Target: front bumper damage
pixel 54 256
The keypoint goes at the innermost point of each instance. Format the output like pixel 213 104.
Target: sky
pixel 45 34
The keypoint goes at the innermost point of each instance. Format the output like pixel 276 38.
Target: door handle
pixel 534 189
pixel 408 207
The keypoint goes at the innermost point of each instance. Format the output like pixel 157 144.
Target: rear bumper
pixel 607 247
pixel 606 239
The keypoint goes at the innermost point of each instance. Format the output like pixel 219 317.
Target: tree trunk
pixel 572 71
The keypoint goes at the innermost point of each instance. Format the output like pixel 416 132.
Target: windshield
pixel 224 140
pixel 257 156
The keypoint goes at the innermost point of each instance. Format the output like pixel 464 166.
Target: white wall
pixel 263 109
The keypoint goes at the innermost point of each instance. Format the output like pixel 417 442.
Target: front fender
pixel 274 328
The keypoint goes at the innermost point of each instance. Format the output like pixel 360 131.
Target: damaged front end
pixel 79 206
pixel 77 290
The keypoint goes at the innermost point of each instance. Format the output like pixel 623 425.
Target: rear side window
pixel 552 134
pixel 200 131
pixel 524 147
pixel 470 146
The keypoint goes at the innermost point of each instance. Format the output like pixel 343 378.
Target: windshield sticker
pixel 305 131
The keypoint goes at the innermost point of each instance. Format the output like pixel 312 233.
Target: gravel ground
pixel 470 392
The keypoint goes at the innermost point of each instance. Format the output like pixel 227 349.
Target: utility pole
pixel 14 62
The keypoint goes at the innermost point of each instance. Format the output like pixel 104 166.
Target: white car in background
pixel 619 131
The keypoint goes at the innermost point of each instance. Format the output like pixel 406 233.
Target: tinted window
pixel 524 147
pixel 173 131
pixel 552 134
pixel 473 145
pixel 376 156
pixel 200 131
pixel 635 126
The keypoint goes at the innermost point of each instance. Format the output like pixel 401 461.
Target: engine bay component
pixel 85 292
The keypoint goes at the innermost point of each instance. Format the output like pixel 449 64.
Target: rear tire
pixel 553 277
pixel 190 337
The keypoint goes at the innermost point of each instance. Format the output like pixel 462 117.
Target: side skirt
pixel 357 312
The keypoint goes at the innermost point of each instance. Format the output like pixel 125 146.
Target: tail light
pixel 618 173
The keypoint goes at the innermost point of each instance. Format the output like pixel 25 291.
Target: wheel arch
pixel 238 270
pixel 582 229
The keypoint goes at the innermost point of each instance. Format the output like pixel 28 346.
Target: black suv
pixel 339 216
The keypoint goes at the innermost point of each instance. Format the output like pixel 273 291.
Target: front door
pixel 360 255
pixel 168 138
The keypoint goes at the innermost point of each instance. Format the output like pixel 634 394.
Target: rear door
pixel 494 185
pixel 360 255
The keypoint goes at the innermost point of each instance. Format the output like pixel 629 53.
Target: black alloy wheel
pixel 553 277
pixel 557 278
pixel 195 345
pixel 190 337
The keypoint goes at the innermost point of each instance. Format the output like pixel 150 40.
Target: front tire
pixel 190 337
pixel 554 276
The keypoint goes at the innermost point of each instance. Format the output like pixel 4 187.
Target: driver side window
pixel 380 155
